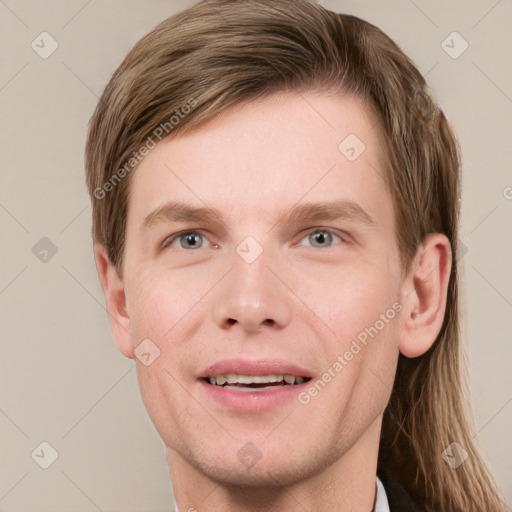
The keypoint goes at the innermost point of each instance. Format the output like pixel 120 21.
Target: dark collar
pixel 398 499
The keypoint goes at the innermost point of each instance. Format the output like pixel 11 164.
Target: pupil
pixel 321 238
pixel 190 240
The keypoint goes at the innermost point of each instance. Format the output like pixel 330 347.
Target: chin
pixel 250 469
pixel 266 476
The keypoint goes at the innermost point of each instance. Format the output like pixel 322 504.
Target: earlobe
pixel 113 286
pixel 424 295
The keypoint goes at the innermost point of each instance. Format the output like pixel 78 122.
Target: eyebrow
pixel 328 211
pixel 176 211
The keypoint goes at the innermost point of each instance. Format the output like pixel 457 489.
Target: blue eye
pixel 321 238
pixel 189 240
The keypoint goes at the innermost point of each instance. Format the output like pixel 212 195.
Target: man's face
pixel 294 273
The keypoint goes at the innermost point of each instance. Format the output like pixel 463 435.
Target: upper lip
pixel 255 367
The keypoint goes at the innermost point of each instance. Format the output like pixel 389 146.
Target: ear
pixel 113 286
pixel 424 295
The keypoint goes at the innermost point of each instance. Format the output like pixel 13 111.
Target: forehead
pixel 262 156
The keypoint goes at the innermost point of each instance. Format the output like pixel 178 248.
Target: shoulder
pixel 399 500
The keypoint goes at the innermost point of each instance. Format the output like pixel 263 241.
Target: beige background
pixel 62 379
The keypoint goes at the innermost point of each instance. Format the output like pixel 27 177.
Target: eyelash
pixel 331 232
pixel 172 238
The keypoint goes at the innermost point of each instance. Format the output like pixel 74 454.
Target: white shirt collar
pixel 381 503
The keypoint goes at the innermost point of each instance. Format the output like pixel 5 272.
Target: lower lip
pixel 252 401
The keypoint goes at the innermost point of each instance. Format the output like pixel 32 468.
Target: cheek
pixel 159 311
pixel 360 312
pixel 347 299
pixel 164 398
pixel 159 301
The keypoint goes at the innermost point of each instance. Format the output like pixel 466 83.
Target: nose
pixel 252 298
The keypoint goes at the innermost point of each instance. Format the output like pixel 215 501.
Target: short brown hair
pixel 221 53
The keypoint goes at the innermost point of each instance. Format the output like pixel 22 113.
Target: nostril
pixel 268 321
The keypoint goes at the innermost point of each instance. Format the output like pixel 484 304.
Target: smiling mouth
pixel 254 382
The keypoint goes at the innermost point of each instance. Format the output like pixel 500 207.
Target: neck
pixel 346 484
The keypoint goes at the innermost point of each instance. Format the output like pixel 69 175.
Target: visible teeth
pixel 221 380
pixel 243 379
pixel 232 378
